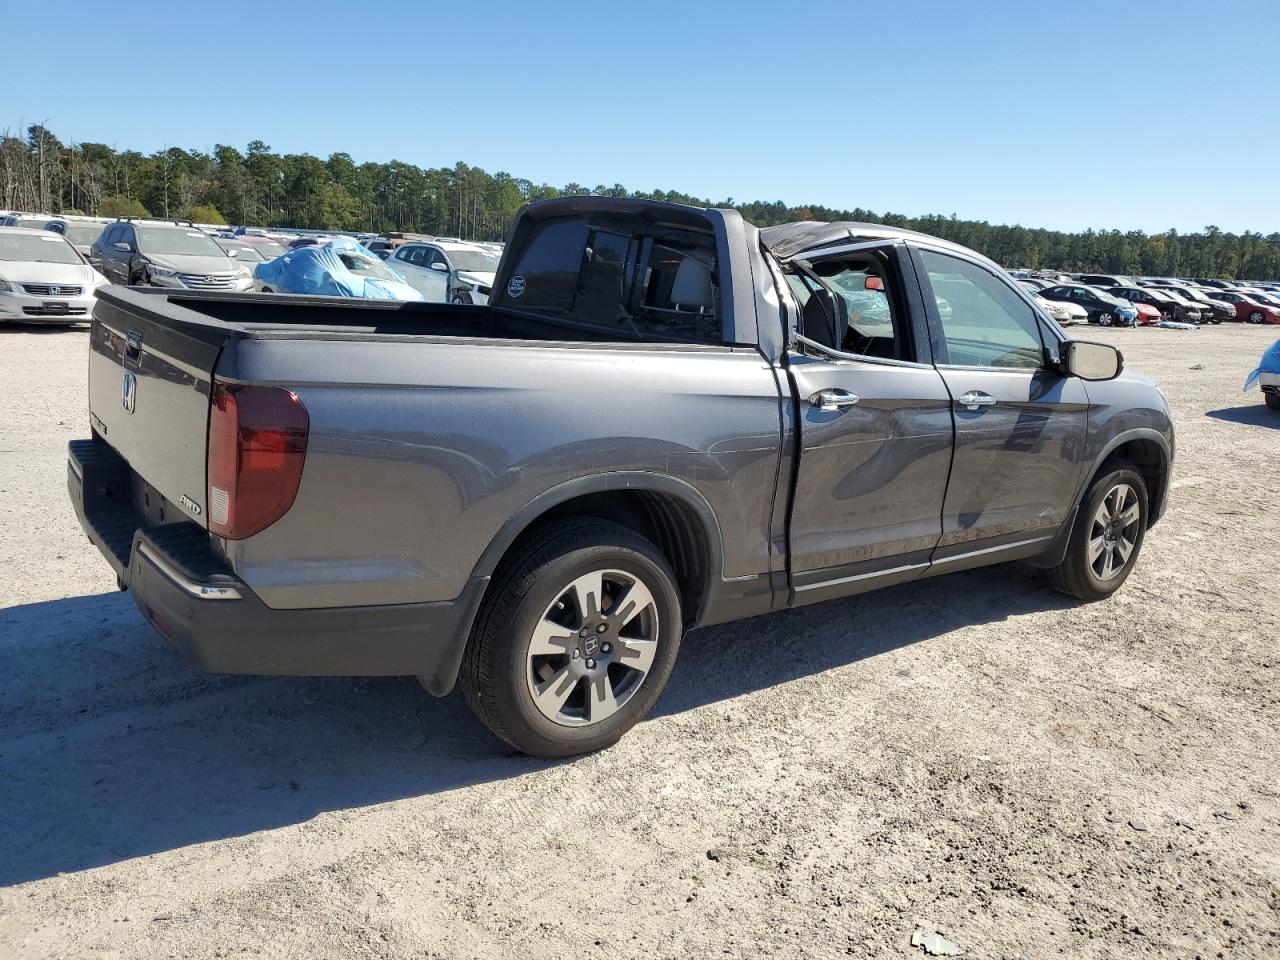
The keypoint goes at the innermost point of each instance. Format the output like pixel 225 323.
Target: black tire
pixel 267 290
pixel 497 672
pixel 1104 319
pixel 1273 400
pixel 1255 317
pixel 1075 575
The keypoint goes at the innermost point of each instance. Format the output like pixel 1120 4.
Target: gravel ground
pixel 974 755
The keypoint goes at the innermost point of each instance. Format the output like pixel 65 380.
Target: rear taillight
pixel 257 444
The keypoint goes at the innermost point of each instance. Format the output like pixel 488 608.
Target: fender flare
pixel 637 481
pixel 1137 433
pixel 441 681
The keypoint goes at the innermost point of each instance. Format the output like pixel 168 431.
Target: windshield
pixel 269 250
pixel 182 243
pixel 82 234
pixel 472 261
pixel 24 248
pixel 243 252
pixel 367 266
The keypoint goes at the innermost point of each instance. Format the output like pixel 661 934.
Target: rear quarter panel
pixel 420 451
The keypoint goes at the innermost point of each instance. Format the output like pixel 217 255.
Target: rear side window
pixel 631 284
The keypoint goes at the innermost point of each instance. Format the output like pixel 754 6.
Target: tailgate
pixel 149 381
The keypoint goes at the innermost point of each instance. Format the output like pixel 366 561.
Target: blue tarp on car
pixel 1270 364
pixel 340 268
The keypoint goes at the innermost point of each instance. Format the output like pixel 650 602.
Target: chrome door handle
pixel 974 399
pixel 833 399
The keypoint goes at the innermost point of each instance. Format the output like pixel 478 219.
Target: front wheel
pixel 576 638
pixel 1273 400
pixel 1105 319
pixel 1255 317
pixel 1107 536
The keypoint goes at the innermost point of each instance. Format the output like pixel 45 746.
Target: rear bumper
pixel 218 622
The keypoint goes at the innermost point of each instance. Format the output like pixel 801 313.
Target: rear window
pixel 633 284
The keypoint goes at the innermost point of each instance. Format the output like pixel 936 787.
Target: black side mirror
pixel 1091 361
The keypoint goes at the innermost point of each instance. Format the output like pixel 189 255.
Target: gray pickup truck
pixel 664 418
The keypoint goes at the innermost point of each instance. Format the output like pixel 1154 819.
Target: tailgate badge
pixel 190 504
pixel 130 390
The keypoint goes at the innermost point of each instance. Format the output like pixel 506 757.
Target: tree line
pixel 256 186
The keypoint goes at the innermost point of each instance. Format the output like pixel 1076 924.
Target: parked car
pixel 1267 376
pixel 166 253
pixel 1247 308
pixel 270 249
pixel 1102 308
pixel 1164 305
pixel 451 272
pixel 536 497
pixel 1210 310
pixel 247 254
pixel 338 268
pixel 1103 280
pixel 27 221
pixel 81 231
pixel 43 278
pixel 1063 311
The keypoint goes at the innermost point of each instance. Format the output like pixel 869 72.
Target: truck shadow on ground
pixel 1254 415
pixel 112 748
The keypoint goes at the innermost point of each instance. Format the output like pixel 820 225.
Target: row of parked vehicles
pixel 72 256
pixel 1113 300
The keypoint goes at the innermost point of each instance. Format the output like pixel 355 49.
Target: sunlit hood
pixel 481 279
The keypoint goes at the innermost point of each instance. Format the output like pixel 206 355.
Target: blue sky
pixel 1139 115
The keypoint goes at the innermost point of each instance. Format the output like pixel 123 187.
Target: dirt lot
pixel 974 755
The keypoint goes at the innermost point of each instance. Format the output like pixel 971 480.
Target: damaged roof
pixel 788 239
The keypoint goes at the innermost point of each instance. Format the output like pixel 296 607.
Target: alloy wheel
pixel 592 648
pixel 1113 534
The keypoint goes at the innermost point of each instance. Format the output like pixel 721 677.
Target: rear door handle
pixel 976 398
pixel 833 399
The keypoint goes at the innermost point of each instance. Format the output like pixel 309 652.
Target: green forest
pixel 256 186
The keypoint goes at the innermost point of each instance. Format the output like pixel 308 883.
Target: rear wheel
pixel 576 639
pixel 1273 400
pixel 1107 536
pixel 1255 316
pixel 1105 319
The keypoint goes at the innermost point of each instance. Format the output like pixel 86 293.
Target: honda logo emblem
pixel 54 291
pixel 130 391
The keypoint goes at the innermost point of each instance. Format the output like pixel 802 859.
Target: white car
pixel 43 278
pixel 445 271
pixel 1065 313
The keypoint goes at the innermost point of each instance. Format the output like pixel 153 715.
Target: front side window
pixel 984 322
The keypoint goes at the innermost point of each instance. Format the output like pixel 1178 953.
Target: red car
pixel 1147 314
pixel 1247 309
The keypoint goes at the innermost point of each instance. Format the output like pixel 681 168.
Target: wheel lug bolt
pixel 606 647
pixel 602 628
pixel 591 664
pixel 583 632
pixel 575 654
